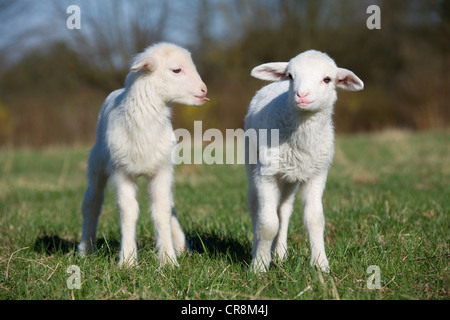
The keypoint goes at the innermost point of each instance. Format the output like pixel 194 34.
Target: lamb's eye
pixel 327 79
pixel 290 76
pixel 176 70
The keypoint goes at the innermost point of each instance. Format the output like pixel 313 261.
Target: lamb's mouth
pixel 304 104
pixel 203 98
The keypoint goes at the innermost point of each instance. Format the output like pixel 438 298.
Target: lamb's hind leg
pixel 180 243
pixel 91 207
pixel 252 198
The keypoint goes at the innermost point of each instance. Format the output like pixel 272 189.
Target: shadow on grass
pixel 220 245
pixel 52 244
pixel 211 243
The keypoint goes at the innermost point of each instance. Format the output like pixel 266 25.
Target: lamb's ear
pixel 273 71
pixel 347 80
pixel 143 62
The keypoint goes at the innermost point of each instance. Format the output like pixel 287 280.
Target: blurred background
pixel 53 80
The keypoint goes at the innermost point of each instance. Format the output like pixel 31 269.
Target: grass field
pixel 386 204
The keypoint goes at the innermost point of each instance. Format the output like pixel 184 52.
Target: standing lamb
pixel 300 107
pixel 134 138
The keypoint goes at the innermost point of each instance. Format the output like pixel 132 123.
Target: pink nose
pixel 302 94
pixel 204 89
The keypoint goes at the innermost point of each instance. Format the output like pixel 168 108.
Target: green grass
pixel 386 204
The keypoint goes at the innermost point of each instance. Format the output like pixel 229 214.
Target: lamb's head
pixel 313 77
pixel 172 73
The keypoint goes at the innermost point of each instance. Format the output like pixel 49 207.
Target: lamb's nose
pixel 302 94
pixel 204 89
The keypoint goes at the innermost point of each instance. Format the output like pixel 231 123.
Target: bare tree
pixel 113 31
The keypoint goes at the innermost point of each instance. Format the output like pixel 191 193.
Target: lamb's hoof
pixel 323 266
pixel 85 249
pixel 168 261
pixel 258 267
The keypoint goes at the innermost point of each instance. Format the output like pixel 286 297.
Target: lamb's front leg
pixel 314 220
pixel 288 191
pixel 160 189
pixel 265 222
pixel 128 208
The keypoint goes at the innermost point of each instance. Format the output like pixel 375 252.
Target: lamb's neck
pixel 144 105
pixel 311 125
pixel 321 118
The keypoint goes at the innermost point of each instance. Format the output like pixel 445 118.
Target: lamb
pixel 135 138
pixel 299 104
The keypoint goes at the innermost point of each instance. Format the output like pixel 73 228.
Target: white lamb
pixel 300 107
pixel 134 138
